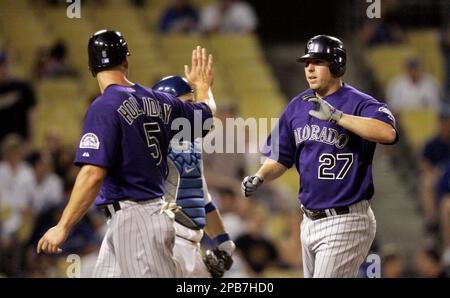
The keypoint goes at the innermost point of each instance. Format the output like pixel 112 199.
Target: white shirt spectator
pixel 16 192
pixel 16 187
pixel 239 17
pixel 403 94
pixel 48 192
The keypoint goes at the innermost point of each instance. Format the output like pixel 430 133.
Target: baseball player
pixel 122 154
pixel 329 132
pixel 188 197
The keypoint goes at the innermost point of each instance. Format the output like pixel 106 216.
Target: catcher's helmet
pixel 329 48
pixel 175 85
pixel 106 48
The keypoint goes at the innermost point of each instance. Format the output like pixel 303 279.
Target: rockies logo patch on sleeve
pixel 89 141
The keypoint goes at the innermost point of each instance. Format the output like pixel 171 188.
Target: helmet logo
pixel 105 59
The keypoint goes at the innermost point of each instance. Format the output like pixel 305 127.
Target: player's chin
pixel 314 86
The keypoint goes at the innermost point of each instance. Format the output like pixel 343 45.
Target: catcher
pixel 188 200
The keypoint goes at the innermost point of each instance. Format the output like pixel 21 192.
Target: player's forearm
pixel 86 188
pixel 271 170
pixel 207 97
pixel 214 224
pixel 369 129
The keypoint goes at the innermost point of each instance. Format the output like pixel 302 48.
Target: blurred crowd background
pixel 402 58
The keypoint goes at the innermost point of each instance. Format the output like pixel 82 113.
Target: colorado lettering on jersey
pixel 130 109
pixel 325 135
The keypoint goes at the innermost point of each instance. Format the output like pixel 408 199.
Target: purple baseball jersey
pixel 335 165
pixel 127 130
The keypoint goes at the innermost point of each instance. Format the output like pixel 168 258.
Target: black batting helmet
pixel 328 48
pixel 106 48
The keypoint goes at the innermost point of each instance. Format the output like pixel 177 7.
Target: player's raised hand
pixel 52 240
pixel 324 110
pixel 250 184
pixel 201 73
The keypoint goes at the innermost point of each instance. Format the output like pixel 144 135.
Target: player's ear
pixel 125 63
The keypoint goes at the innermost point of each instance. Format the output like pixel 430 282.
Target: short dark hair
pixel 34 157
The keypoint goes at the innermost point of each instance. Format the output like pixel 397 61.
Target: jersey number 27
pixel 328 162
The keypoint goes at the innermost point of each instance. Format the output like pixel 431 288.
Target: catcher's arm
pixel 219 259
pixel 214 226
pixel 215 230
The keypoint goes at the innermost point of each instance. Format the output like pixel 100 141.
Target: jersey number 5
pixel 328 162
pixel 151 129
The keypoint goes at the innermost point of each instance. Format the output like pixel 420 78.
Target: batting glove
pixel 324 111
pixel 250 184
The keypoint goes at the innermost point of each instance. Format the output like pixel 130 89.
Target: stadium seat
pixel 61 106
pixel 418 126
pixel 388 61
pixel 426 43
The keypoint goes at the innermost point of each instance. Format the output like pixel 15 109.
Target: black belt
pixel 318 214
pixel 116 207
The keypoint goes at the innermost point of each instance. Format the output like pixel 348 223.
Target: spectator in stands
pixel 445 231
pixel 179 17
pixel 223 168
pixel 48 188
pixel 384 30
pixel 446 52
pixel 228 16
pixel 40 62
pixel 428 264
pixel 443 206
pixel 53 145
pixel 227 203
pixel 287 243
pixel 413 90
pixel 435 154
pixel 16 182
pixel 393 262
pixel 56 66
pixel 17 104
pixel 16 190
pixel 376 32
pixel 258 250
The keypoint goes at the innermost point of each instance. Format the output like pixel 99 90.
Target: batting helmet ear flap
pixel 337 69
pixel 337 62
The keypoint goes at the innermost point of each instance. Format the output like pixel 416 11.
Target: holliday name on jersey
pixel 130 109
